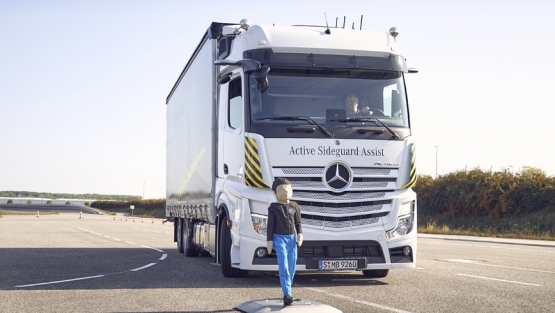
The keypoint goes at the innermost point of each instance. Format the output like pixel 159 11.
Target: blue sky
pixel 83 83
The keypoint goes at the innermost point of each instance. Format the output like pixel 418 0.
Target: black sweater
pixel 283 219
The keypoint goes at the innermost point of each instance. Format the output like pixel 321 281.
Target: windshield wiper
pixel 373 120
pixel 299 118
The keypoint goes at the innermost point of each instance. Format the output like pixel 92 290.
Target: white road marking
pixel 475 262
pixel 106 236
pixel 59 281
pixel 116 239
pixel 163 257
pixel 501 280
pixel 483 246
pixel 131 243
pixel 142 267
pixel 156 232
pixel 375 305
pixel 152 248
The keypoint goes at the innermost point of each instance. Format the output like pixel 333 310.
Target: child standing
pixel 284 234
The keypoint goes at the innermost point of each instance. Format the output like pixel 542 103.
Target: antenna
pixel 353 25
pixel 361 21
pixel 327 27
pixel 344 17
pixel 336 22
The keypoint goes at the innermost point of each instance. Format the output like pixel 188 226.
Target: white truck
pixel 255 103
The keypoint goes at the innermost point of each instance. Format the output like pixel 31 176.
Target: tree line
pixel 150 207
pixel 48 195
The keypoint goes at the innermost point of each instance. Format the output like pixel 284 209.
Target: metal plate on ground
pixel 276 305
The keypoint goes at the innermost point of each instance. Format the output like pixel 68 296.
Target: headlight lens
pixel 403 227
pixel 259 223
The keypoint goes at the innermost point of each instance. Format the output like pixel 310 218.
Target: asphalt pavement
pixel 60 263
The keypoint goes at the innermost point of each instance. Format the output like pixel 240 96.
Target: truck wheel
pixel 225 252
pixel 179 235
pixel 375 273
pixel 187 239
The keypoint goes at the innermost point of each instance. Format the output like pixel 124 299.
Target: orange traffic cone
pixel 38 214
pixel 152 221
pixel 142 220
pixel 133 220
pixel 114 218
pixel 81 214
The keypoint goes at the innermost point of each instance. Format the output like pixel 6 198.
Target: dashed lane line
pixel 500 280
pixel 375 305
pixel 485 246
pixel 163 257
pixel 142 267
pixel 151 248
pixel 474 262
pixel 59 281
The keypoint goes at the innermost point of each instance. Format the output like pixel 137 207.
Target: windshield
pixel 333 98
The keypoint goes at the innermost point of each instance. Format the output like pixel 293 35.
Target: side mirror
pixel 413 70
pixel 260 76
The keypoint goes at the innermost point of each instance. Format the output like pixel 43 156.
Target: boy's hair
pixel 280 181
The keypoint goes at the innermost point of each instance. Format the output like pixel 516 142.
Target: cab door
pixel 232 129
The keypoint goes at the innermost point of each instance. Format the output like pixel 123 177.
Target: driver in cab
pixel 351 107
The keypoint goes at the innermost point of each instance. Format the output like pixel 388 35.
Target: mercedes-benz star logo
pixel 338 176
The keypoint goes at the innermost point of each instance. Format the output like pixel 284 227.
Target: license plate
pixel 328 265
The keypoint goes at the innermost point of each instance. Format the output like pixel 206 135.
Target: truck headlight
pixel 259 223
pixel 403 227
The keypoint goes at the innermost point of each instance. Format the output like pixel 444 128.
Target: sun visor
pixel 380 61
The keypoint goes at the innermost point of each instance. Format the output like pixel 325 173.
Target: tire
pixel 179 235
pixel 187 240
pixel 375 273
pixel 205 253
pixel 225 253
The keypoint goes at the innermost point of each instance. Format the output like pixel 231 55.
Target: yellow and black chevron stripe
pixel 253 172
pixel 412 174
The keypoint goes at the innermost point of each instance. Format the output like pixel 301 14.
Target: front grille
pixel 371 171
pixel 339 210
pixel 303 171
pixel 341 249
pixel 364 184
pixel 320 184
pixel 339 197
pixel 361 204
pixel 340 224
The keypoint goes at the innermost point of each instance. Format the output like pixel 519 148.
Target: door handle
pixel 226 170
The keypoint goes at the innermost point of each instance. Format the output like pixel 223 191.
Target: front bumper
pixel 369 248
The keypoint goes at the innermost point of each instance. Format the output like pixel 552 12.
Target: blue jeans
pixel 286 250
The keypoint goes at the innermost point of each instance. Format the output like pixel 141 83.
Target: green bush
pixel 67 202
pixel 87 204
pixel 10 201
pixel 49 202
pixel 29 202
pixel 497 199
